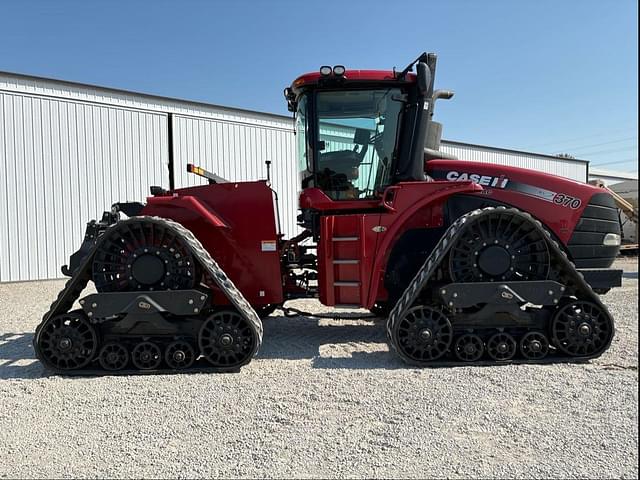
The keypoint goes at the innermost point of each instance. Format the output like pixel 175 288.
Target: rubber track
pixel 438 255
pixel 76 284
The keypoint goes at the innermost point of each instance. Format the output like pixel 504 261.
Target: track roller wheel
pixel 469 347
pixel 534 346
pixel 67 341
pixel 113 356
pixel 227 340
pixel 581 329
pixel 143 254
pixel 146 356
pixel 501 347
pixel 179 355
pixel 499 246
pixel 422 335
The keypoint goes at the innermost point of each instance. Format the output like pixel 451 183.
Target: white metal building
pixel 611 177
pixel 68 151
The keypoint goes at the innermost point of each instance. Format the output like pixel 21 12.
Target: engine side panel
pixel 236 224
pixel 556 201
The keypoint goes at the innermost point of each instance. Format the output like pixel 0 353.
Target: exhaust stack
pixel 434 129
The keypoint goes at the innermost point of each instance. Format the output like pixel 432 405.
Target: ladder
pixel 344 250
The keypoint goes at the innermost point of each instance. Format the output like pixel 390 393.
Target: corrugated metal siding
pixel 573 169
pixel 138 101
pixel 237 153
pixel 122 138
pixel 63 163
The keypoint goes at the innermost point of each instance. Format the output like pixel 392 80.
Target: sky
pixel 548 76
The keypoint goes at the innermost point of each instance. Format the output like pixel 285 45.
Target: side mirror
pixel 424 77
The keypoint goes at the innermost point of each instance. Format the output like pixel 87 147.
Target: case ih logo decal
pixel 486 180
pixel 506 183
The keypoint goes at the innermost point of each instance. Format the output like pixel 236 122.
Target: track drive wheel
pixel 143 254
pixel 227 340
pixel 501 347
pixel 469 347
pixel 499 246
pixel 67 341
pixel 422 335
pixel 581 329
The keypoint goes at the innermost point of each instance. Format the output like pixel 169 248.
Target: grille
pixel 599 218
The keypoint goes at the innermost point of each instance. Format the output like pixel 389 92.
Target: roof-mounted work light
pixel 339 70
pixel 325 70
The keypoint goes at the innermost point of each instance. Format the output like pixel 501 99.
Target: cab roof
pixel 355 76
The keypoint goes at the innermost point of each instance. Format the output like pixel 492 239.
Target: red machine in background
pixel 470 262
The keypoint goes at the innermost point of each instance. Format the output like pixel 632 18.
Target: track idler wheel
pixel 501 347
pixel 179 355
pixel 469 347
pixel 534 346
pixel 143 255
pixel 67 341
pixel 422 335
pixel 146 356
pixel 113 356
pixel 227 340
pixel 581 329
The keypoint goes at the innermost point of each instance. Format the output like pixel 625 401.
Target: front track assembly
pixel 498 289
pixel 152 312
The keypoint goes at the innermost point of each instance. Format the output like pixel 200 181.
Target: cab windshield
pixel 356 145
pixel 356 134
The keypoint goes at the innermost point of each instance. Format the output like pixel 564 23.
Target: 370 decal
pixel 567 201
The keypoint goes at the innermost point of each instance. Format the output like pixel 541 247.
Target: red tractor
pixel 470 262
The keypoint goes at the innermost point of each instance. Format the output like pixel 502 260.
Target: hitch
pixel 93 231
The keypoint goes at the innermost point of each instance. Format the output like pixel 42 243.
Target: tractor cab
pixel 360 131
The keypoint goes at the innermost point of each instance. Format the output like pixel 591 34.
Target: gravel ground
pixel 324 399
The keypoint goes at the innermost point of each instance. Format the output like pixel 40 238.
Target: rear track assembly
pixel 145 331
